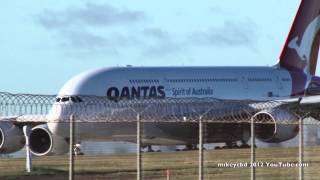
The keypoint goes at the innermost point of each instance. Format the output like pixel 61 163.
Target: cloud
pixel 162 49
pixel 161 43
pixel 83 44
pixel 86 30
pixel 83 39
pixel 230 34
pixel 156 33
pixel 83 29
pixel 89 15
pixel 89 40
pixel 80 43
pixel 216 10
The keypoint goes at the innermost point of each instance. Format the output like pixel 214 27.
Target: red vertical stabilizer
pixel 300 52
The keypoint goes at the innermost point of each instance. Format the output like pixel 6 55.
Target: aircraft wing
pixel 304 106
pixel 310 101
pixel 25 119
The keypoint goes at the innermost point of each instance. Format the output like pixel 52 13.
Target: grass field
pixel 182 165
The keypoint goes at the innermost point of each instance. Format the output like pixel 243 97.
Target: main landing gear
pixel 149 149
pixel 234 145
pixel 189 147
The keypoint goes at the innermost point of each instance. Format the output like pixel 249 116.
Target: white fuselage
pixel 217 82
pixel 234 83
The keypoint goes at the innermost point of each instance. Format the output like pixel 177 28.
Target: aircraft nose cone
pixel 57 123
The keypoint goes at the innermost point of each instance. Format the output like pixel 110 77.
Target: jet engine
pixel 275 126
pixel 43 142
pixel 11 138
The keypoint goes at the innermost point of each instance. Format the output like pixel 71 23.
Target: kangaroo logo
pixel 304 48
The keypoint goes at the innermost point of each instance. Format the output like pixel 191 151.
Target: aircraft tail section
pixel 300 52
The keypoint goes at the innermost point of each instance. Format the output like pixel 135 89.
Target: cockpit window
pixel 64 99
pixel 73 99
pixel 69 98
pixel 78 99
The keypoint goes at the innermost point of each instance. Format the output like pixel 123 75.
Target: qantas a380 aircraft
pixel 293 77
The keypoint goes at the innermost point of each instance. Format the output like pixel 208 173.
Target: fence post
pixel 71 146
pixel 301 170
pixel 253 151
pixel 138 148
pixel 200 148
pixel 26 132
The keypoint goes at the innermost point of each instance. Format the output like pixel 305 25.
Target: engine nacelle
pixel 43 142
pixel 11 138
pixel 275 126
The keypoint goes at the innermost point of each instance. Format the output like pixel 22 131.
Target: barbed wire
pixel 51 108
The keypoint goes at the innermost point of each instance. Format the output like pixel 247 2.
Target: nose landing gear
pixel 77 150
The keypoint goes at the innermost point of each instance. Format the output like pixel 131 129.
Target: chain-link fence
pixel 188 131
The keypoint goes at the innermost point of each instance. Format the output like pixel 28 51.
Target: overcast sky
pixel 45 43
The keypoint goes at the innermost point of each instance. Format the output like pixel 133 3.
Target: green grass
pixel 182 165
